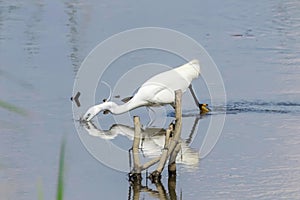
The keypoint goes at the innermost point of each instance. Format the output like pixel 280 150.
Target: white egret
pixel 158 90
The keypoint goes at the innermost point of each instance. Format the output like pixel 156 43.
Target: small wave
pixel 262 107
pixel 264 103
pixel 236 107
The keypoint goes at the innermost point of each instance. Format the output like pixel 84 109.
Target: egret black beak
pixel 203 108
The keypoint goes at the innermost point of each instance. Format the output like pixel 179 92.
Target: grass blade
pixel 40 190
pixel 60 182
pixel 12 108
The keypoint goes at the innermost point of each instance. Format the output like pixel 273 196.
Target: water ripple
pixel 262 107
pixel 237 107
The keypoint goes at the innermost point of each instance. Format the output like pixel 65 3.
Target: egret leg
pixel 202 107
pixel 194 95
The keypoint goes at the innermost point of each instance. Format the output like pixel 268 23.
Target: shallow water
pixel 255 45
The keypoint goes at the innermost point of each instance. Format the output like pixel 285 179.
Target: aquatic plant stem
pixel 60 182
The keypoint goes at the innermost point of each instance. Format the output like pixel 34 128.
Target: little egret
pixel 157 91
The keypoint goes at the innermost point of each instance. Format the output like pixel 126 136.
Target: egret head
pixel 94 110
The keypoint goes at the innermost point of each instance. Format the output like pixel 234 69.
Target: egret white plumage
pixel 157 91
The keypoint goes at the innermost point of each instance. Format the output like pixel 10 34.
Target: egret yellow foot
pixel 203 108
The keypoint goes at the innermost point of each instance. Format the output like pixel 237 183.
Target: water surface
pixel 255 45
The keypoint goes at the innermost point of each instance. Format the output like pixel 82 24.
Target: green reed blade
pixel 12 108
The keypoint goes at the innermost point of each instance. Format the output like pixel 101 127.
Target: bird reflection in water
pixel 152 142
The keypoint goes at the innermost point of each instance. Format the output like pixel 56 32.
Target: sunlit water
pixel 255 44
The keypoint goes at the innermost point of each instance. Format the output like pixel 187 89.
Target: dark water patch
pixel 237 107
pixel 262 107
